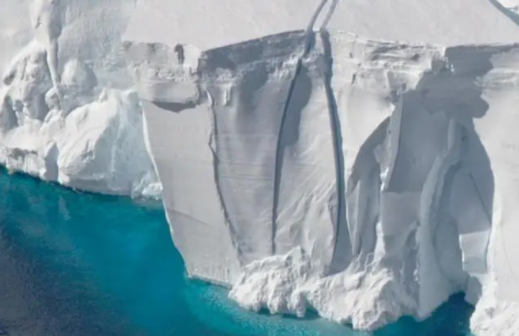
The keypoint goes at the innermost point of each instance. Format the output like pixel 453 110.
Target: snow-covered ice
pixel 358 158
pixel 352 157
pixel 68 109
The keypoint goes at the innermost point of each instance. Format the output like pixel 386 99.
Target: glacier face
pixel 321 169
pixel 68 109
pixel 307 168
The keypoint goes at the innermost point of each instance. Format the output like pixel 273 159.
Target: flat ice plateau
pixel 358 158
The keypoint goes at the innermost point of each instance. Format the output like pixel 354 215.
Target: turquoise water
pixel 81 264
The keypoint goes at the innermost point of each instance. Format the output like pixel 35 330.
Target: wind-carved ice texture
pixel 68 112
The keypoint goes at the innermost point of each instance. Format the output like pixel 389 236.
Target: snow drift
pixel 320 155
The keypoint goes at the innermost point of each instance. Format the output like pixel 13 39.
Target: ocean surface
pixel 74 263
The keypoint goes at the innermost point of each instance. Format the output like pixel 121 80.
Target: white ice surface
pixel 211 24
pixel 68 110
pixel 304 160
pixel 510 5
pixel 310 164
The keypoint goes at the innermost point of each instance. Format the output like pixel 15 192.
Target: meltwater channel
pixel 78 264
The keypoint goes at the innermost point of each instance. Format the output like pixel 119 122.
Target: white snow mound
pixel 68 110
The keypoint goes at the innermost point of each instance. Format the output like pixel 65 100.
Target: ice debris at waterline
pixel 356 158
pixel 371 142
pixel 77 264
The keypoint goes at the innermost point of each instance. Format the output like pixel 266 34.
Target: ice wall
pixel 68 110
pixel 305 161
pixel 316 168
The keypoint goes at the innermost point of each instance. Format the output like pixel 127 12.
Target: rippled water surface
pixel 82 264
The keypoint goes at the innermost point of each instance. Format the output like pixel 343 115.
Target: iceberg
pixel 351 157
pixel 356 158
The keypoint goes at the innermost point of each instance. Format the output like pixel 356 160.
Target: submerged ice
pixel 354 158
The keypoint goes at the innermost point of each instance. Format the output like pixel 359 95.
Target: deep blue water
pixel 81 264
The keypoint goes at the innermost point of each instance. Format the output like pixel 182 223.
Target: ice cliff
pixel 353 157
